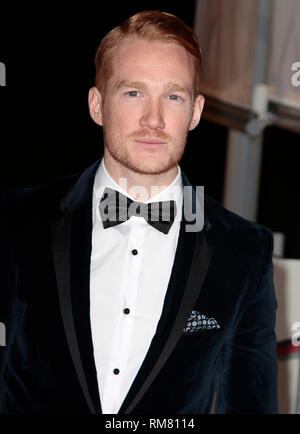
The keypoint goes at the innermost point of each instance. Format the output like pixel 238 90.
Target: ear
pixel 197 111
pixel 95 105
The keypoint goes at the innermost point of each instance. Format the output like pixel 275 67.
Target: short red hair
pixel 150 25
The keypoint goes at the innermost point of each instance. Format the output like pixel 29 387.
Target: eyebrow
pixel 174 87
pixel 169 87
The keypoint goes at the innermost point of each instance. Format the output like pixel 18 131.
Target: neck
pixel 141 186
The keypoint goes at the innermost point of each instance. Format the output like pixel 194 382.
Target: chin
pixel 151 169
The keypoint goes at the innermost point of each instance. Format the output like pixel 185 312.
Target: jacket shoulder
pixel 240 233
pixel 35 200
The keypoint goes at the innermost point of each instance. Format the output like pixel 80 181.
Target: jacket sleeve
pixel 8 305
pixel 246 380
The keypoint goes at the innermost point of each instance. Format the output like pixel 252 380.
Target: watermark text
pixel 295 79
pixel 2 74
pixel 2 335
pixel 296 336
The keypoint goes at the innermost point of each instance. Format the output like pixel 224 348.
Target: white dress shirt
pixel 131 264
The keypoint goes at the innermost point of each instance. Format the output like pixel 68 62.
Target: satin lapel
pixel 71 235
pixel 61 230
pixel 81 246
pixel 192 259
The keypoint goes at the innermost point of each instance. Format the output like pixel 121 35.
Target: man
pixel 142 314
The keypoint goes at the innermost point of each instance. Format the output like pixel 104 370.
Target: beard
pixel 153 162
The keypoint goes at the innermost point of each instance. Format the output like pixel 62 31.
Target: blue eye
pixel 132 93
pixel 174 97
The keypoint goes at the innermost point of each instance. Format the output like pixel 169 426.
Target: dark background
pixel 46 130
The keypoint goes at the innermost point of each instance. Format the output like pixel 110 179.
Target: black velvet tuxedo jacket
pixel 223 271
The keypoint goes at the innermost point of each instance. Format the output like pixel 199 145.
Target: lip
pixel 151 143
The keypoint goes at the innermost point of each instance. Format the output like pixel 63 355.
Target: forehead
pixel 137 59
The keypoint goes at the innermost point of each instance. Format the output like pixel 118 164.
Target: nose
pixel 152 116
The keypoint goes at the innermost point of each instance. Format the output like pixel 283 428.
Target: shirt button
pixel 116 371
pixel 134 252
pixel 126 310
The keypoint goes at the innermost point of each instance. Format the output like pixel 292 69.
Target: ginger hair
pixel 150 25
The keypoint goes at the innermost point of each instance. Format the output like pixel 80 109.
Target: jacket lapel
pixel 72 248
pixel 71 236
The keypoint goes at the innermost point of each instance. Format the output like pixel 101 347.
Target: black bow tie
pixel 115 208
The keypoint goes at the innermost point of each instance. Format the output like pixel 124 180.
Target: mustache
pixel 150 135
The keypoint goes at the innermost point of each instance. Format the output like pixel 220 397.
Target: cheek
pixel 178 123
pixel 122 120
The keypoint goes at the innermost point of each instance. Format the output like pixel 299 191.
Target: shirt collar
pixel 173 191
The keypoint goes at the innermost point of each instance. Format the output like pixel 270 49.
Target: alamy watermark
pixel 2 74
pixel 295 79
pixel 117 208
pixel 2 334
pixel 296 336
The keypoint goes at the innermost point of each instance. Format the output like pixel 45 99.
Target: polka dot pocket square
pixel 198 322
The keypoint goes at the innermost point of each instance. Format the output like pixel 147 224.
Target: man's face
pixel 148 106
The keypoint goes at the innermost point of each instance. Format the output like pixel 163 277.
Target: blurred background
pixel 246 150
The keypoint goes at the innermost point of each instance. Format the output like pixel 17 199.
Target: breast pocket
pixel 203 338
